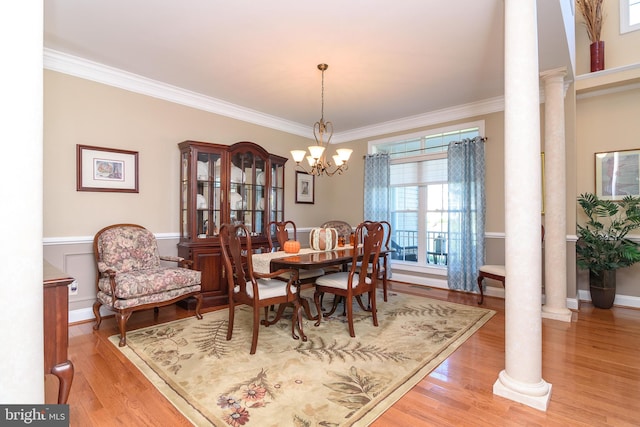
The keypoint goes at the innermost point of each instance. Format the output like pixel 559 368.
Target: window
pixel 629 16
pixel 419 197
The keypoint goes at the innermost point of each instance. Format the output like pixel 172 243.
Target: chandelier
pixel 322 131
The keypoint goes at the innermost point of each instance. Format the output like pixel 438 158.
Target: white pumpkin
pixel 323 239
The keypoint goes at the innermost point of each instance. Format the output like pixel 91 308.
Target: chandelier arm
pixel 299 166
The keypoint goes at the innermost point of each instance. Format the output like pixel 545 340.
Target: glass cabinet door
pixel 247 192
pixel 184 195
pixel 276 198
pixel 208 194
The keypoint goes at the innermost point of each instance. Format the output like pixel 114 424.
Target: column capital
pixel 553 73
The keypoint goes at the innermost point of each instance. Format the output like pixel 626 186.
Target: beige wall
pixel 606 118
pixel 609 122
pixel 153 127
pixel 78 111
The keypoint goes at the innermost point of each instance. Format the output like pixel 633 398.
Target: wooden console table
pixel 56 328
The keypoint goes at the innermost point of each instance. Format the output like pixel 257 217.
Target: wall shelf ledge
pixel 610 79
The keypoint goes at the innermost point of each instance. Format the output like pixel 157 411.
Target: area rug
pixel 330 380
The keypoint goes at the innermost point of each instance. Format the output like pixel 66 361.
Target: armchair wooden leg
pixel 122 317
pixel 481 291
pixel 198 306
pixel 96 313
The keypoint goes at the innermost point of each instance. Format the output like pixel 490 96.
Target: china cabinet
pixel 218 184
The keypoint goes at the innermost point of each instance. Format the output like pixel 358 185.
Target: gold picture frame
pixel 617 174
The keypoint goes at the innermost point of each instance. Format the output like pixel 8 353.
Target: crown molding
pixel 89 70
pixel 487 106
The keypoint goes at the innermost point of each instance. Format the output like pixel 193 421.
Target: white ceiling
pixel 389 60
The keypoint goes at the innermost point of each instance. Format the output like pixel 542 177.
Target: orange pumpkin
pixel 292 246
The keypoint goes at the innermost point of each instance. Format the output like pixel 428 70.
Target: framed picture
pixel 617 174
pixel 106 169
pixel 305 187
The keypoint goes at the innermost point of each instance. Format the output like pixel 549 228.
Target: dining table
pixel 306 258
pixel 309 259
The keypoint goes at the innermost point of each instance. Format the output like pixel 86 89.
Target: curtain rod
pixel 482 139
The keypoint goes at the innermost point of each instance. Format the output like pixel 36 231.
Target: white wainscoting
pixel 74 256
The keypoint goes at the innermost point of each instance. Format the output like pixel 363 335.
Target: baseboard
pixel 83 314
pixel 422 281
pixel 492 291
pixel 620 301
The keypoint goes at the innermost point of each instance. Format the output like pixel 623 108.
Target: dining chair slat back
pixel 257 290
pixel 281 233
pixel 350 284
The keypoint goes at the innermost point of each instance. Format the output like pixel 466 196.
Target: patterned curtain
pixel 466 169
pixel 376 190
pixel 376 187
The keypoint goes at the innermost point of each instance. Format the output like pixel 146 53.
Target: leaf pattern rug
pixel 330 380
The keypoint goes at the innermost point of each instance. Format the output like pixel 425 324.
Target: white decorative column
pixel 555 180
pixel 521 380
pixel 21 103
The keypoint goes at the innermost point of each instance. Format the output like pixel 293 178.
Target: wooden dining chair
pixel 281 230
pixel 255 289
pixel 383 268
pixel 495 272
pixel 350 284
pixel 305 276
pixel 282 235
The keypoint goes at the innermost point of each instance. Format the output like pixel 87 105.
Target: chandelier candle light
pixel 322 131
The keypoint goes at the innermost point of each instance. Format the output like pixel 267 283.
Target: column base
pixel 562 314
pixel 536 396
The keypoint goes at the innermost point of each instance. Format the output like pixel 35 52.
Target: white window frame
pixel 625 25
pixel 480 124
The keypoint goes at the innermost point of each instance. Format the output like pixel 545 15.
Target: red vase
pixel 597 56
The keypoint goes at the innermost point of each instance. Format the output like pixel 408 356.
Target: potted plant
pixel 603 246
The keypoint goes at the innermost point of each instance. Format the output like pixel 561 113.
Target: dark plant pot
pixel 603 288
pixel 597 56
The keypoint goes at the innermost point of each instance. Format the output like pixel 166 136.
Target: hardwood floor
pixel 593 365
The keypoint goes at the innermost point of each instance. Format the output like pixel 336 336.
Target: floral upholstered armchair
pixel 130 276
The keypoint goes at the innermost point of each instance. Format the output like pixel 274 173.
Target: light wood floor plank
pixel 591 363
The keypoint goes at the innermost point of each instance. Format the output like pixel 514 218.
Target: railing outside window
pixel 405 246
